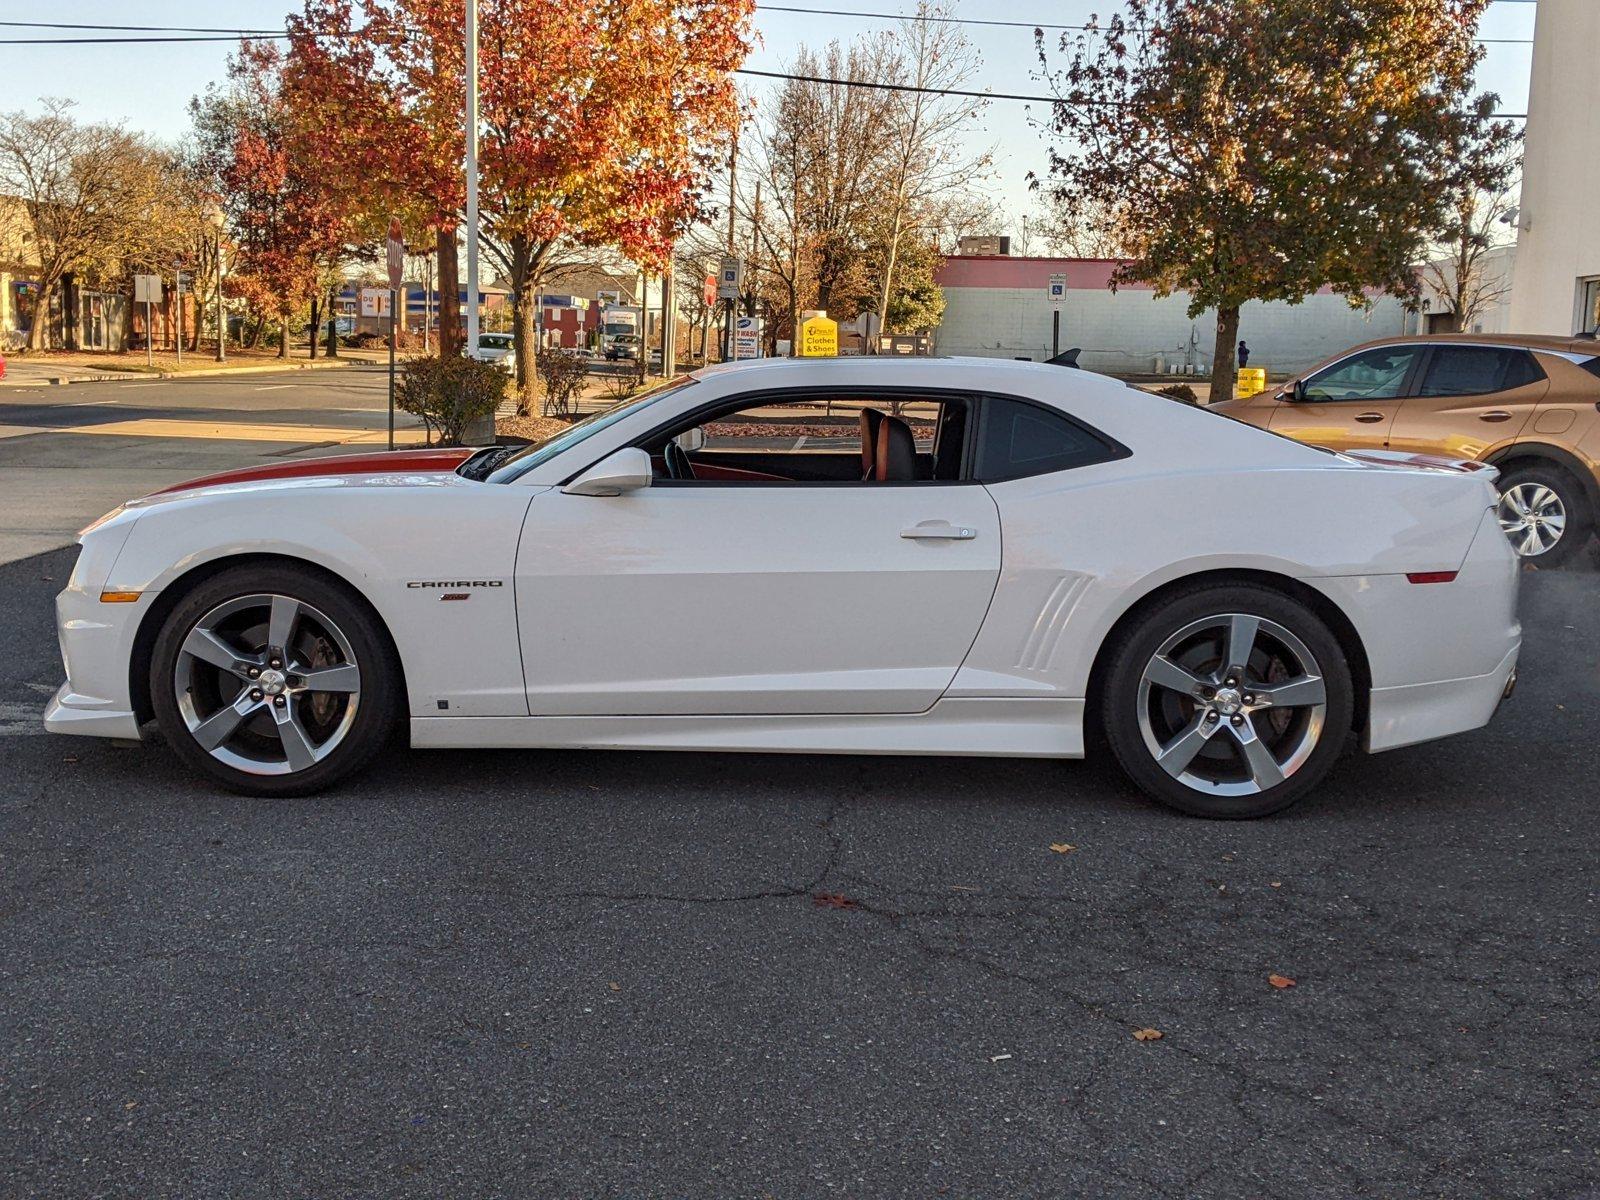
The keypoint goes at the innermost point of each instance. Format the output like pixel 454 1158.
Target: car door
pixel 727 596
pixel 1350 404
pixel 1470 398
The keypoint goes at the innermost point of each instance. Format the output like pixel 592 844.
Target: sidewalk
pixel 55 369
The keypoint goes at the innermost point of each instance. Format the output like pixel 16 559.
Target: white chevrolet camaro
pixel 862 556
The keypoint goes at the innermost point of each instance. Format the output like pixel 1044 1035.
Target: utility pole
pixel 472 178
pixel 733 303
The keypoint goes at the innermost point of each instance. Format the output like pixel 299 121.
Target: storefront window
pixel 1589 317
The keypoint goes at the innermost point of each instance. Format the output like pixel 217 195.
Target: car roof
pixel 883 368
pixel 1587 346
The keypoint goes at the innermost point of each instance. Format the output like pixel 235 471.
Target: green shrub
pixel 449 393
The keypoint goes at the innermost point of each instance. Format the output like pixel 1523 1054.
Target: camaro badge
pixel 450 586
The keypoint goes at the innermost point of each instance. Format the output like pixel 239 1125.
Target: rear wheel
pixel 274 681
pixel 1544 512
pixel 1228 701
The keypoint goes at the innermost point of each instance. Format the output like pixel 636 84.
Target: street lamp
pixel 217 220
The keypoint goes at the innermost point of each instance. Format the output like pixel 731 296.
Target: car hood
pixel 386 468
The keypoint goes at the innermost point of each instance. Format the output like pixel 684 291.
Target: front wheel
pixel 274 681
pixel 1228 701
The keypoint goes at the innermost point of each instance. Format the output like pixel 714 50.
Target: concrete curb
pixel 136 376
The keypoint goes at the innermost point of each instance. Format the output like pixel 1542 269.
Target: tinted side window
pixel 1018 440
pixel 1376 374
pixel 1476 371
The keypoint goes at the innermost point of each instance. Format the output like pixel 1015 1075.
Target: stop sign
pixel 397 252
pixel 711 291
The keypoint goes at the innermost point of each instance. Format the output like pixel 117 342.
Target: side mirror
pixel 627 470
pixel 1296 391
pixel 691 441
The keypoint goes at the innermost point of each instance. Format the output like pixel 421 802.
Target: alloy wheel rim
pixel 267 684
pixel 1232 704
pixel 1533 517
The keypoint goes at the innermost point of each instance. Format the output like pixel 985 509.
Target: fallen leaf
pixel 1148 1035
pixel 131 1104
pixel 961 887
pixel 614 986
pixel 1062 847
pixel 69 758
pixel 998 1057
pixel 1274 883
pixel 832 900
pixel 1280 981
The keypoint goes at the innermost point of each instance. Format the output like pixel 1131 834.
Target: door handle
pixel 940 529
pixel 1496 415
pixel 1368 418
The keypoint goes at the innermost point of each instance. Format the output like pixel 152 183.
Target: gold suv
pixel 1529 405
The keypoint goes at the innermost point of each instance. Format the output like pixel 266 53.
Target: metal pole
pixel 180 315
pixel 149 335
pixel 472 178
pixel 392 339
pixel 222 324
pixel 427 300
pixel 1055 332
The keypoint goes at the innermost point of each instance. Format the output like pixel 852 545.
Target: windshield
pixel 526 458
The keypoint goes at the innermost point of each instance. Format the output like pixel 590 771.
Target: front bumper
pixel 88 716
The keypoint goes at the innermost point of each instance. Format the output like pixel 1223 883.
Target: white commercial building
pixel 999 306
pixel 1556 286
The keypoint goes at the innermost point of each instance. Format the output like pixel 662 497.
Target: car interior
pixel 809 440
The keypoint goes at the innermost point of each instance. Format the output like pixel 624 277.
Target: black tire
pixel 1574 506
pixel 352 726
pixel 1192 627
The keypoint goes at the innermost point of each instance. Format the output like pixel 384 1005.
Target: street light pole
pixel 472 178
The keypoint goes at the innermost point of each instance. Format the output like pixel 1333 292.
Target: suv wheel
pixel 1544 513
pixel 1228 701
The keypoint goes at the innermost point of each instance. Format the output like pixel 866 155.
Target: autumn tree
pixel 599 120
pixel 1460 267
pixel 1264 149
pixel 286 226
pixel 87 191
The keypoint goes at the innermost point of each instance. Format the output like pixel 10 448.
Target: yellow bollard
pixel 1252 381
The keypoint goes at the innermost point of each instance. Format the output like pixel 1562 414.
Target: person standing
pixel 1244 355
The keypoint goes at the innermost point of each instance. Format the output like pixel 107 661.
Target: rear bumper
pixel 1419 712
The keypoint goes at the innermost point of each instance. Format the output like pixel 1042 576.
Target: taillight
pixel 1431 576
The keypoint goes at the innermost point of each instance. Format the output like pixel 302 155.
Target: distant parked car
pixel 1524 404
pixel 498 348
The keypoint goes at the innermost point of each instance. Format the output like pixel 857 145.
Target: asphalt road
pixel 68 454
pixel 630 975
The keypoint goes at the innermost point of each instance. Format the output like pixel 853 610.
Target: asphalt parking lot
pixel 631 975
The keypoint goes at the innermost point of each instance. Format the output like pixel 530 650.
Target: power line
pixel 783 75
pixel 942 19
pixel 785 8
pixel 134 28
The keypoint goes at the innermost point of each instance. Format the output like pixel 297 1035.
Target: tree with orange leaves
pixel 600 121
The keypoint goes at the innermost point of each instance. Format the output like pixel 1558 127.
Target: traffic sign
pixel 147 289
pixel 711 291
pixel 1058 289
pixel 374 302
pixel 397 253
pixel 730 278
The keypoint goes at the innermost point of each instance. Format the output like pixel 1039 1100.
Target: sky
pixel 147 87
